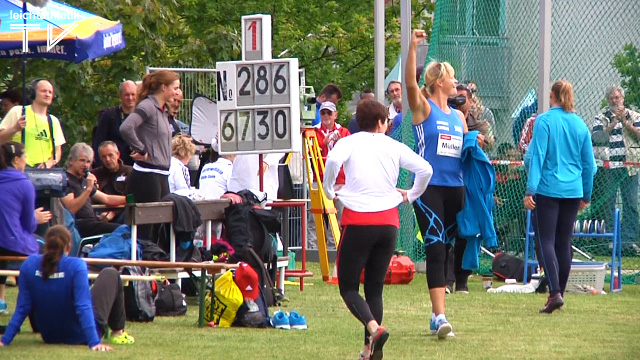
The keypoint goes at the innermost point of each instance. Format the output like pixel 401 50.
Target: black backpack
pixel 247 317
pixel 139 303
pixel 170 301
pixel 506 266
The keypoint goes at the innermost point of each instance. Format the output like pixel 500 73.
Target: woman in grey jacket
pixel 148 133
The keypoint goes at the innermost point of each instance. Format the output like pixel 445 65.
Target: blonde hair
pixel 563 93
pixel 436 71
pixel 183 146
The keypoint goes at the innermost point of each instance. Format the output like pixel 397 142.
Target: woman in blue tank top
pixel 438 131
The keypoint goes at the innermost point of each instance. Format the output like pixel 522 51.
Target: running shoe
pixel 365 351
pixel 280 320
pixel 433 327
pixel 4 309
pixel 443 328
pixel 553 303
pixel 377 342
pixel 124 339
pixel 297 321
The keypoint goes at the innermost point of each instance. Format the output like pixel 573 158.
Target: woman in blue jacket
pixel 53 288
pixel 561 168
pixel 18 218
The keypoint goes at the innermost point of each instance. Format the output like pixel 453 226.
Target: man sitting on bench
pixel 84 188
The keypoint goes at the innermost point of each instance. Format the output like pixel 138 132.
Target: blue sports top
pixel 439 141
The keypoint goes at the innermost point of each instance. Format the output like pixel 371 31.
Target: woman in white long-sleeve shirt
pixel 183 149
pixel 370 219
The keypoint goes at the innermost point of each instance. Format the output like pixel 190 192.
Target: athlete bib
pixel 449 145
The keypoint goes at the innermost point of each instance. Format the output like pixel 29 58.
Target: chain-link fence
pixel 494 44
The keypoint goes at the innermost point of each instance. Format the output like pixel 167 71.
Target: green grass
pixel 488 326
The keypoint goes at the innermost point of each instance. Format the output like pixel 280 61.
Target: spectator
pixel 177 126
pixel 245 174
pixel 179 178
pixel 330 92
pixel 527 133
pixel 43 137
pixel 18 218
pixel 83 185
pixel 148 133
pixel 328 133
pixel 370 223
pixel 621 127
pixel 394 91
pixel 479 111
pixel 111 118
pixel 9 99
pixel 561 167
pixel 55 291
pixel 353 124
pixel 112 176
pixel 215 176
pixel 438 131
pixel 474 123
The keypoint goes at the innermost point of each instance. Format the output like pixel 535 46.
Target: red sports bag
pixel 401 270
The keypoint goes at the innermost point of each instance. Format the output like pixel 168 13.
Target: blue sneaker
pixel 443 328
pixel 297 321
pixel 433 327
pixel 4 309
pixel 280 320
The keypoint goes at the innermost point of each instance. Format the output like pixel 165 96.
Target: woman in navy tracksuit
pixel 561 168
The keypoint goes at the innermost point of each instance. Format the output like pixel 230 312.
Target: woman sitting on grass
pixel 54 289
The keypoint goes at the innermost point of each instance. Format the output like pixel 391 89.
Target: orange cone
pixel 334 277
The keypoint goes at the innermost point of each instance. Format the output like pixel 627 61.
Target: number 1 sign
pixel 256 37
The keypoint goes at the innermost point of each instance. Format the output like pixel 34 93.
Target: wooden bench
pixel 210 210
pixel 205 267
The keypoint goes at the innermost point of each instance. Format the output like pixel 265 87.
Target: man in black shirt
pixel 83 189
pixel 110 120
pixel 112 177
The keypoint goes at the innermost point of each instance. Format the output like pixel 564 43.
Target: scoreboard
pixel 258 98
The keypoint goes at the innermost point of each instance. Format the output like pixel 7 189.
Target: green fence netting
pixel 494 43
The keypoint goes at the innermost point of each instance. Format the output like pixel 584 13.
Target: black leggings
pixel 436 212
pixel 553 220
pixel 107 298
pixel 147 187
pixel 367 247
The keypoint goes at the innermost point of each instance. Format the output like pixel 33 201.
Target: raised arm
pixel 417 103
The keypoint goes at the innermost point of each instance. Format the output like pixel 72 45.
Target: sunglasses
pixel 326 112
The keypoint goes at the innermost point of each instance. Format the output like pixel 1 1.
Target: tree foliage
pixel 627 62
pixel 333 41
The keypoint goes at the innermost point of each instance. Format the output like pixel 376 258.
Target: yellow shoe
pixel 124 339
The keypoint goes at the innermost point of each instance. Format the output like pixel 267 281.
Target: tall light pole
pixel 378 49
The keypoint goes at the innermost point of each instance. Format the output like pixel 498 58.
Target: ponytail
pixel 10 150
pixel 57 239
pixel 152 83
pixel 563 93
